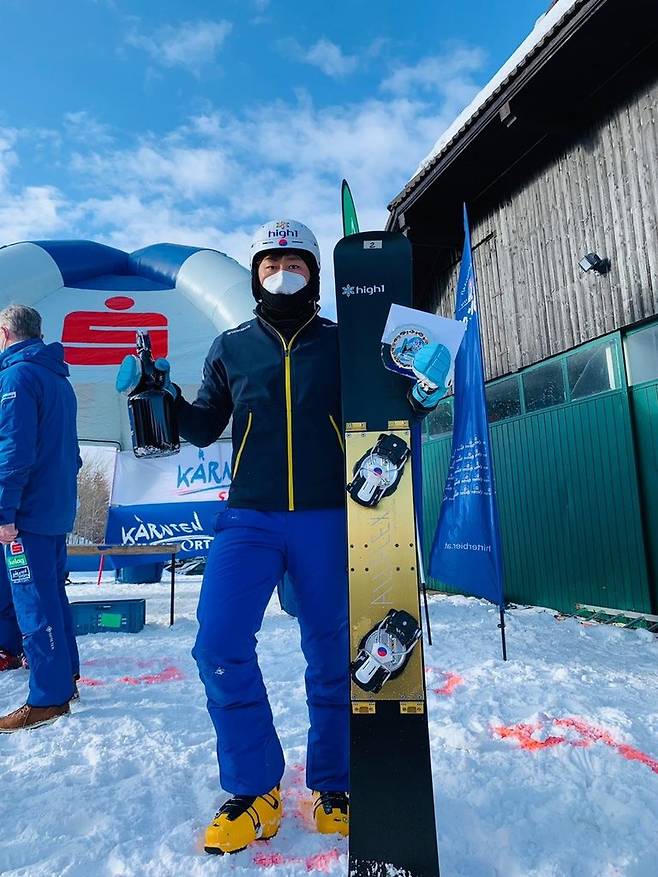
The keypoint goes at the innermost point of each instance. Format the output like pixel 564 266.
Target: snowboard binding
pixel 385 650
pixel 378 472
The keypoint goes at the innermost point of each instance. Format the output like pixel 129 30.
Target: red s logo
pixel 102 338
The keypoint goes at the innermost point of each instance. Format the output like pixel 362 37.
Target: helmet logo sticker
pixel 284 233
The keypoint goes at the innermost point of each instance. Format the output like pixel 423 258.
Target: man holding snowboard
pixel 278 377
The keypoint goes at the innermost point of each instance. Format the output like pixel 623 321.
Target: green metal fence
pixel 566 481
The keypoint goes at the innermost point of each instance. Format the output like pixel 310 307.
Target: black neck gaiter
pixel 287 313
pixel 286 320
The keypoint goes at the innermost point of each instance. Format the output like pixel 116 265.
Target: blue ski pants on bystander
pixel 35 618
pixel 250 553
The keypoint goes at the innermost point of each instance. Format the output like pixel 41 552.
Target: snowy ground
pixel 543 767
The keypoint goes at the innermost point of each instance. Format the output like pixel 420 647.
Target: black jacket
pixel 285 402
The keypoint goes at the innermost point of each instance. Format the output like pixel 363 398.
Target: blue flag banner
pixel 466 552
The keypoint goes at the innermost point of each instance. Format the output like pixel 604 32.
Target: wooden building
pixel 557 162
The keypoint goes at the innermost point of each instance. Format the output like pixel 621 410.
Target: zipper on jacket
pixel 340 437
pixel 241 448
pixel 287 347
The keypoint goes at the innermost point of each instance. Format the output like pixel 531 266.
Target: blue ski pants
pixel 35 618
pixel 249 555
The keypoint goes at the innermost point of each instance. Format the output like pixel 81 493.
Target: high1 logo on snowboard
pixel 349 289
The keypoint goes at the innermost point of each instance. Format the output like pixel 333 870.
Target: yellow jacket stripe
pixel 340 437
pixel 242 444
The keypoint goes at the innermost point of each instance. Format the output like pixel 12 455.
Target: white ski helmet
pixel 281 233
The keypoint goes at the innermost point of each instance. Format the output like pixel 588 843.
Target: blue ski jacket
pixel 39 453
pixel 285 400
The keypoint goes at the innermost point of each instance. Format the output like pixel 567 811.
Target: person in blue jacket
pixel 277 376
pixel 39 462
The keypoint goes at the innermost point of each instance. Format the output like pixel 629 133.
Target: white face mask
pixel 284 283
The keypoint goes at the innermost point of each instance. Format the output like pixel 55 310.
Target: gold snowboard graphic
pixel 382 568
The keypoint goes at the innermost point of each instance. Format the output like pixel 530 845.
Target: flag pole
pixel 501 625
pixel 423 583
pixel 417 477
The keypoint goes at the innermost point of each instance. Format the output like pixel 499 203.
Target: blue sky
pixel 194 121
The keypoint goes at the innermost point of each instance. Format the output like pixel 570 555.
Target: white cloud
pixel 330 59
pixel 448 72
pixel 215 177
pixel 27 211
pixel 185 171
pixel 32 212
pixel 218 175
pixel 130 221
pixel 327 56
pixel 190 44
pixel 83 126
pixel 8 157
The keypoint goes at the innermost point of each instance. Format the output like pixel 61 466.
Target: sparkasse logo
pixel 349 289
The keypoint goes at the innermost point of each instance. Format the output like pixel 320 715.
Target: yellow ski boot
pixel 331 812
pixel 243 819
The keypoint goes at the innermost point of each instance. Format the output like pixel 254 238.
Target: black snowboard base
pixel 391 799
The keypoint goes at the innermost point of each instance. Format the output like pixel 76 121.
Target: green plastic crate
pixel 109 616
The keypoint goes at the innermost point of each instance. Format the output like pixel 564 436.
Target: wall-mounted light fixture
pixel 595 262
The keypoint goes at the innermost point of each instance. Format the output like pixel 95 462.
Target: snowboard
pixel 391 796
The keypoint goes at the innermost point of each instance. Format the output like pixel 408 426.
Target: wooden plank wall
pixel 601 195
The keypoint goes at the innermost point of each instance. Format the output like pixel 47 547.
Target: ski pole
pixel 421 574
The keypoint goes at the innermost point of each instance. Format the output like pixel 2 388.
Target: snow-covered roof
pixel 544 27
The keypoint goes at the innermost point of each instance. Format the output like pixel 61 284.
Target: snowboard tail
pixel 391 795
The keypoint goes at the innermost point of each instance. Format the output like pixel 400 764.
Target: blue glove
pixel 129 375
pixel 164 366
pixel 431 365
pixel 131 372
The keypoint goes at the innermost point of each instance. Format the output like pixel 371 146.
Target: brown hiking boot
pixel 27 717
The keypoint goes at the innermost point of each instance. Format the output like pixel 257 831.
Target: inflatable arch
pixel 93 298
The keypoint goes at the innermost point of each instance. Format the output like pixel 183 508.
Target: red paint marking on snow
pixel 316 862
pixel 588 734
pixel 169 674
pixel 453 680
pixel 83 680
pixel 522 733
pixel 593 734
pixel 298 796
pixel 322 861
pixel 633 754
pixel 269 860
pixel 304 812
